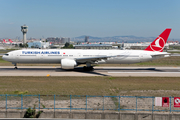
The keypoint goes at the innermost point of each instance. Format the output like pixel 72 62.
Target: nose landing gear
pixel 15 66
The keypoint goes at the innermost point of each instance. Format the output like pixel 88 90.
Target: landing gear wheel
pixel 15 66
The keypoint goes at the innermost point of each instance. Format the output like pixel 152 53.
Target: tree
pixel 23 45
pixel 70 46
pixel 66 45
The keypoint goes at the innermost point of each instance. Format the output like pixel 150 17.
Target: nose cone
pixel 3 57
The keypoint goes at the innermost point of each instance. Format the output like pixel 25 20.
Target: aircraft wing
pixel 92 59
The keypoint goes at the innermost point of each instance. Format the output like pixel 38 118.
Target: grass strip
pixel 143 86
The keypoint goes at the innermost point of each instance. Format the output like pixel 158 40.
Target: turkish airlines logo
pixel 158 44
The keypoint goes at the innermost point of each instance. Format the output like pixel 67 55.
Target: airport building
pixel 38 44
pixel 86 39
pixel 54 40
pixel 140 46
pixel 65 40
pixel 57 40
pixel 93 46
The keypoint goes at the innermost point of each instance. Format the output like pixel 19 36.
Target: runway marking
pixel 144 72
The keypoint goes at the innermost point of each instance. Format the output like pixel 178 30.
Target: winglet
pixel 159 43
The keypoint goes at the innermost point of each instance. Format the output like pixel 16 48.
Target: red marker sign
pixel 176 101
pixel 165 101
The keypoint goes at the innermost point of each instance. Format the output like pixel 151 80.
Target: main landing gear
pixel 88 67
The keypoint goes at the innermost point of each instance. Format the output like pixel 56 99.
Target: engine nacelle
pixel 68 64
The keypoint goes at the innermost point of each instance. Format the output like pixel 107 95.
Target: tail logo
pixel 158 45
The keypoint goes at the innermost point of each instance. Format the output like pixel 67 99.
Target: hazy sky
pixel 100 18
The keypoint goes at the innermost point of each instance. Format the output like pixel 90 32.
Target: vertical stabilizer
pixel 159 43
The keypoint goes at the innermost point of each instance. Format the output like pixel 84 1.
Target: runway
pixel 98 71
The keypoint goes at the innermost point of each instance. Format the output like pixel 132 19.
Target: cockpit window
pixel 6 54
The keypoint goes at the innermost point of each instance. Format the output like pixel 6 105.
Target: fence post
pixel 136 103
pixel 152 104
pixel 103 103
pixel 86 102
pixel 54 102
pixel 21 101
pixel 70 103
pixel 119 104
pixel 39 102
pixel 6 102
pixel 170 104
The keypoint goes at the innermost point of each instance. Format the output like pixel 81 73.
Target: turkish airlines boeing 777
pixel 70 58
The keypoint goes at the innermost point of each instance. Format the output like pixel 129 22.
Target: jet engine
pixel 68 63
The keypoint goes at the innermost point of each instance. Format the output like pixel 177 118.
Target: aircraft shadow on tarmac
pixel 97 70
pixel 81 70
pixel 133 69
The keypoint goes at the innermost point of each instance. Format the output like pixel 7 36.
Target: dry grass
pixel 146 86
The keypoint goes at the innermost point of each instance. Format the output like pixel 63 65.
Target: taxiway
pixel 98 71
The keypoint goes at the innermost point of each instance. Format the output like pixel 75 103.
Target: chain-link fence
pixel 85 103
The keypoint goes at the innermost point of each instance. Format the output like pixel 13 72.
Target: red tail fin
pixel 4 41
pixel 159 43
pixel 10 41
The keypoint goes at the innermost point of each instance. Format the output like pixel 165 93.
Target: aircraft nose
pixel 3 57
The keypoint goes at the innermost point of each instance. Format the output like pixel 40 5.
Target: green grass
pixel 174 47
pixel 5 51
pixel 90 85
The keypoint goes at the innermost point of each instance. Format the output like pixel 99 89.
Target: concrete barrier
pixel 2 114
pixel 144 116
pixel 115 116
pixel 61 115
pixel 128 116
pixel 13 114
pixel 95 115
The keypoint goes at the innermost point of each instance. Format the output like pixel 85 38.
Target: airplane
pixel 71 58
pixel 10 41
pixel 4 41
pixel 14 42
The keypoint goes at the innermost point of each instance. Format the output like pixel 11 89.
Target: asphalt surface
pixel 98 71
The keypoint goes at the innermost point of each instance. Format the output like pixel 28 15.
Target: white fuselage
pixel 55 56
